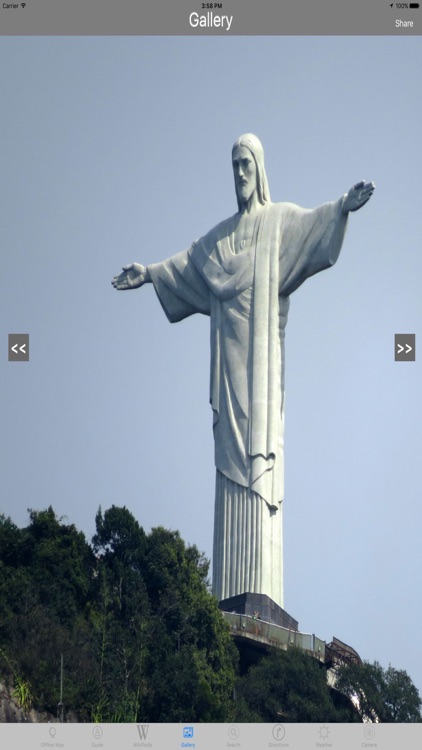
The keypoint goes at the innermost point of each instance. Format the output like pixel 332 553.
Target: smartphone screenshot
pixel 210 382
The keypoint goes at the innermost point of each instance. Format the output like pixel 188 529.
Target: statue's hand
pixel 358 195
pixel 132 277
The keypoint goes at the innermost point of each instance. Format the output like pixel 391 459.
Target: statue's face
pixel 245 177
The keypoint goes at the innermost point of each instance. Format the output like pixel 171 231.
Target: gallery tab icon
pixel 18 347
pixel 404 347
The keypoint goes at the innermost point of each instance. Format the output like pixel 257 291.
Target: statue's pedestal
pixel 266 608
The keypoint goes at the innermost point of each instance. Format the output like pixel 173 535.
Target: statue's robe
pixel 246 295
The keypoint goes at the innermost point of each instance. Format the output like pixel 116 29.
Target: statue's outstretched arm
pixel 132 277
pixel 358 195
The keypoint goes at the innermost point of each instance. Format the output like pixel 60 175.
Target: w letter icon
pixel 143 731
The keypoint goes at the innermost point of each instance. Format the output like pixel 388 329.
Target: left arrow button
pixel 18 347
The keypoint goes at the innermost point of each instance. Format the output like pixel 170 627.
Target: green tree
pixel 386 695
pixel 120 614
pixel 46 574
pixel 165 652
pixel 62 563
pixel 287 686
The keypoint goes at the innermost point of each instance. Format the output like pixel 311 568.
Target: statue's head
pixel 251 176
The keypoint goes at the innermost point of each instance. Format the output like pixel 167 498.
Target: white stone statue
pixel 242 274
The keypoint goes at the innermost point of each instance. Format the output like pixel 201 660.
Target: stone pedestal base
pixel 268 610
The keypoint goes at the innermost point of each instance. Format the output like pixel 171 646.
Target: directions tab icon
pixel 18 347
pixel 404 347
pixel 278 732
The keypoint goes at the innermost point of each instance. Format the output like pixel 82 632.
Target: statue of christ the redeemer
pixel 241 274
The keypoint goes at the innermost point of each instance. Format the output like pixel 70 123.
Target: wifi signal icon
pixel 23 5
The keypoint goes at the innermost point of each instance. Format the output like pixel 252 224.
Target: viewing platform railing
pixel 251 628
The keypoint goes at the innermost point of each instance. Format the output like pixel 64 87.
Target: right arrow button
pixel 404 347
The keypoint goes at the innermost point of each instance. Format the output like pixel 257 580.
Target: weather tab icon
pixel 324 732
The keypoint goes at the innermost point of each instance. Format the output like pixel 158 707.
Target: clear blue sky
pixel 118 149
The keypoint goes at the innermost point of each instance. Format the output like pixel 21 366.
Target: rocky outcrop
pixel 10 712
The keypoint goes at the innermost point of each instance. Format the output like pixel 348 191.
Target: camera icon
pixel 369 732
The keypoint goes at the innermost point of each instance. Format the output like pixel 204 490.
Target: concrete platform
pixel 267 609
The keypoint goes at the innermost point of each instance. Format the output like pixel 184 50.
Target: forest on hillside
pixel 131 618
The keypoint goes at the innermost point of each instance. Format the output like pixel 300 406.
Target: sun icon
pixel 324 732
